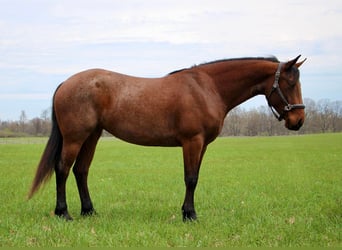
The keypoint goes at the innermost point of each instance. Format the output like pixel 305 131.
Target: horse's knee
pixel 191 181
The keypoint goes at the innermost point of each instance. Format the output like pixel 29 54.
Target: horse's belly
pixel 146 138
pixel 147 132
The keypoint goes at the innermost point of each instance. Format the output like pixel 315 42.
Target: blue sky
pixel 44 42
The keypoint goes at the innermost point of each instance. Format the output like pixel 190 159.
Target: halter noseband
pixel 288 107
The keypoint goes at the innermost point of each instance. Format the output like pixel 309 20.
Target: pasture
pixel 260 191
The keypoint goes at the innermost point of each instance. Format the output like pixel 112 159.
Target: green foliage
pixel 261 191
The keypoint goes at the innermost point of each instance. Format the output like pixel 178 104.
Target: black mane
pixel 271 59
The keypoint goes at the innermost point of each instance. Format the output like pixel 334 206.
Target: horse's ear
pixel 300 63
pixel 290 64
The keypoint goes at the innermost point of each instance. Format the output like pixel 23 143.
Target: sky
pixel 42 43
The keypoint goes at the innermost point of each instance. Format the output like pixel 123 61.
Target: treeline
pixel 321 117
pixel 39 126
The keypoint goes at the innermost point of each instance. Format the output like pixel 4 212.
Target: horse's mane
pixel 270 58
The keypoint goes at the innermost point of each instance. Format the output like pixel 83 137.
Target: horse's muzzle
pixel 294 125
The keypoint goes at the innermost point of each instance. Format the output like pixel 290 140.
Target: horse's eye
pixel 292 83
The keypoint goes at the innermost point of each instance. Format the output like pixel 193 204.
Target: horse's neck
pixel 239 81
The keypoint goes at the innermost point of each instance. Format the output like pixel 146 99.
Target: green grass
pixel 262 191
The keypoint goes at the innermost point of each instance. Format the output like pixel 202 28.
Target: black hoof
pixel 189 215
pixel 63 215
pixel 88 212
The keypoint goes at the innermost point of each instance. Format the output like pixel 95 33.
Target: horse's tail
pixel 50 157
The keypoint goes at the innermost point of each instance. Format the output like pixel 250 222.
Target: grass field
pixel 262 191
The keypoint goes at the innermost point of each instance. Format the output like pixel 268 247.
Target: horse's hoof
pixel 88 212
pixel 64 215
pixel 189 216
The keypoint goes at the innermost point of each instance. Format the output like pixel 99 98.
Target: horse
pixel 185 108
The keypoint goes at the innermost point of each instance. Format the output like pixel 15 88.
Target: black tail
pixel 50 157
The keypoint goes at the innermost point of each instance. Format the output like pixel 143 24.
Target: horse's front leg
pixel 193 151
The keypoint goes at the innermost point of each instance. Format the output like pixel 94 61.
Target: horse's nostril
pixel 300 123
pixel 296 126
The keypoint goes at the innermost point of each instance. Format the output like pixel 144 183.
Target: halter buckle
pixel 288 107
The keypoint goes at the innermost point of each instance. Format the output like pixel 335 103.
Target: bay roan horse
pixel 185 108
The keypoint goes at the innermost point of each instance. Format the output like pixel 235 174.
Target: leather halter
pixel 288 107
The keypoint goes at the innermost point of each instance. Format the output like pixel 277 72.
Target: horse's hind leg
pixel 68 156
pixel 81 169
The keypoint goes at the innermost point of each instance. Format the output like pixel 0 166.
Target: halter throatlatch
pixel 288 107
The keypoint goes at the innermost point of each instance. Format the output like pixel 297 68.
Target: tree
pixel 36 126
pixel 22 121
pixel 233 122
pixel 324 114
pixel 336 114
pixel 46 122
pixel 253 125
pixel 311 122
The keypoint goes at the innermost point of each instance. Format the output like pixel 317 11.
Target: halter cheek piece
pixel 288 107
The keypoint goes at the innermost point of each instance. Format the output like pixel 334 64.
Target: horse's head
pixel 285 97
